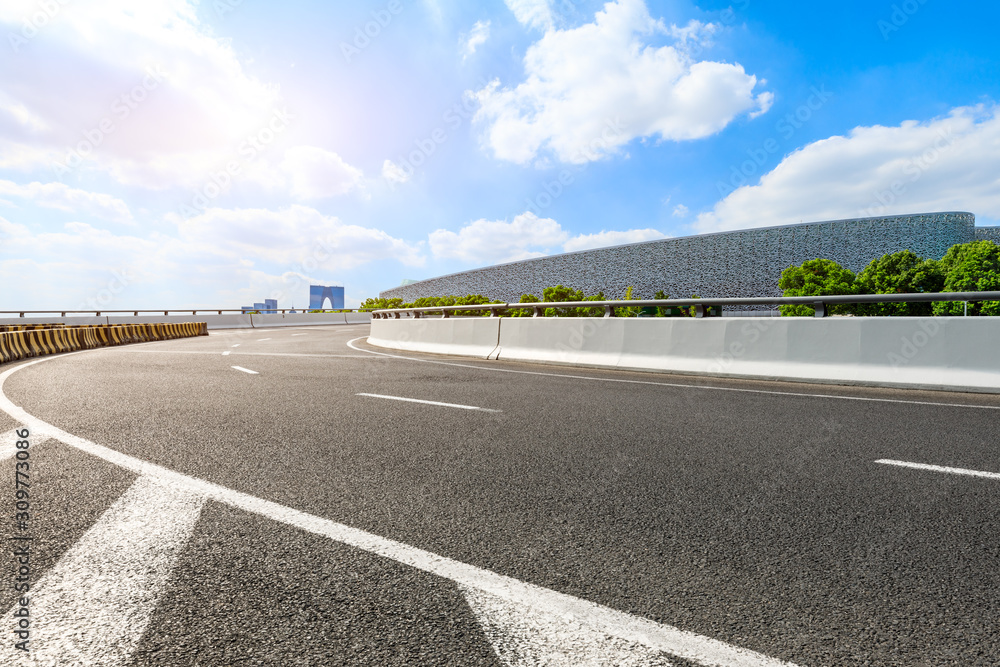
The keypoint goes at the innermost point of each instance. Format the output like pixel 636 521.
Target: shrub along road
pixel 187 511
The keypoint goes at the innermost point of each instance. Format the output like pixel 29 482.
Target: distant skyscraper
pixel 271 306
pixel 318 295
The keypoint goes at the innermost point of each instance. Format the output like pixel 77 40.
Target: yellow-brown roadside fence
pixel 24 341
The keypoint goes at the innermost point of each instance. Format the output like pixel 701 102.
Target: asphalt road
pixel 750 513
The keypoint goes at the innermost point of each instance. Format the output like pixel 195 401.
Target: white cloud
pixel 681 211
pixel 393 173
pixel 604 239
pixel 591 89
pixel 316 173
pixel 486 242
pixel 493 242
pixel 146 91
pixel 297 234
pixel 80 266
pixel 948 163
pixel 477 36
pixel 64 198
pixel 532 13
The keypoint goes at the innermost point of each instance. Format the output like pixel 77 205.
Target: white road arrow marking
pixel 93 606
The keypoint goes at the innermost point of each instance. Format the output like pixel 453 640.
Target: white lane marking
pixel 522 636
pixel 665 638
pixel 350 344
pixel 262 339
pixel 299 334
pixel 953 471
pixel 417 400
pixel 227 353
pixel 94 605
pixel 245 370
pixel 237 344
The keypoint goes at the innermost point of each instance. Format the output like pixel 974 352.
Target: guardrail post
pixel 699 310
pixel 609 311
pixel 536 312
pixel 819 309
pixel 494 312
pixel 445 314
pixel 416 314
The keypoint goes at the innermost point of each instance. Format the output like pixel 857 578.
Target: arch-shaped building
pixel 744 263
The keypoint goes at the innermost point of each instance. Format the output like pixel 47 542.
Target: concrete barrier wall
pixel 952 353
pixel 69 321
pixel 472 336
pixel 213 321
pixel 358 318
pixel 297 319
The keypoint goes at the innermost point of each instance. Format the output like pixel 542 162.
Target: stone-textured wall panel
pixel 988 234
pixel 744 263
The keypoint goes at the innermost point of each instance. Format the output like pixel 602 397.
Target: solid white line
pixel 417 400
pixel 93 606
pixel 350 344
pixel 226 353
pixel 262 339
pixel 953 471
pixel 681 643
pixel 245 370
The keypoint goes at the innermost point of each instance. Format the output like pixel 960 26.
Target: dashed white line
pixel 237 344
pixel 300 334
pixel 417 400
pixel 552 604
pixel 227 353
pixel 262 339
pixel 933 468
pixel 123 562
pixel 245 370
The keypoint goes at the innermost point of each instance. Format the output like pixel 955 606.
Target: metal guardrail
pixel 176 311
pixel 819 303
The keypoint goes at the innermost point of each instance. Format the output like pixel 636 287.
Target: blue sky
pixel 174 153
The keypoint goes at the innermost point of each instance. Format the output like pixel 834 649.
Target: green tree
pixel 523 312
pixel 660 310
pixel 561 293
pixel 380 303
pixel 628 311
pixel 971 267
pixel 899 273
pixel 816 277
